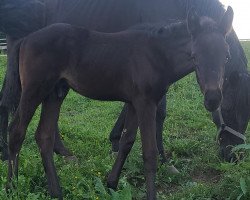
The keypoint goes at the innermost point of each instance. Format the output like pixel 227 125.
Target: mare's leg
pixel 146 112
pixel 11 90
pixel 116 132
pixel 4 114
pixel 18 129
pixel 45 137
pixel 160 117
pixel 126 143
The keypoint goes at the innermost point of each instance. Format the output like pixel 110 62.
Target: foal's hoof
pixel 56 195
pixel 172 170
pixel 71 159
pixel 112 184
pixel 8 188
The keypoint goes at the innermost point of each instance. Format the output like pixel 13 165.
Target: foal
pixel 141 63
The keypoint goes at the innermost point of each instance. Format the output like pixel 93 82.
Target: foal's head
pixel 210 53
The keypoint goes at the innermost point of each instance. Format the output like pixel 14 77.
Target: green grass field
pixel 189 138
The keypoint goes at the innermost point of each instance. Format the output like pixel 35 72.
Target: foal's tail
pixel 11 90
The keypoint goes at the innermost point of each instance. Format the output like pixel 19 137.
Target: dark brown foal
pixel 142 62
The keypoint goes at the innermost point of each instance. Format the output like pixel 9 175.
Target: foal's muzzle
pixel 212 99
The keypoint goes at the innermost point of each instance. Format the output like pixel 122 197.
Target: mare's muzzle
pixel 227 138
pixel 212 99
pixel 226 154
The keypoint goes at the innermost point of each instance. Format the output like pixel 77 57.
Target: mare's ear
pixel 193 22
pixel 227 21
pixel 234 78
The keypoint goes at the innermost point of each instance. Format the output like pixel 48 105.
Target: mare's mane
pixel 243 94
pixel 22 17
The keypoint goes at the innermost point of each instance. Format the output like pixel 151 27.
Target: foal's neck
pixel 173 52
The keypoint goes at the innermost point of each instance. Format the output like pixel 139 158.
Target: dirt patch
pixel 209 176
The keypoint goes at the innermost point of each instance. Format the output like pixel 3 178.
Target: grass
pixel 189 137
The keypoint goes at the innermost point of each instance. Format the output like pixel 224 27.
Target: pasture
pixel 189 139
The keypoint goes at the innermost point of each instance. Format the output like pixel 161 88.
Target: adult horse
pixel 142 62
pixel 20 17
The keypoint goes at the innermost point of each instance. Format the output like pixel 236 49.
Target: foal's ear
pixel 193 22
pixel 227 21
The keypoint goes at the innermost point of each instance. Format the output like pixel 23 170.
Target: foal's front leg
pixel 126 143
pixel 146 112
pixel 116 132
pixel 160 118
pixel 45 137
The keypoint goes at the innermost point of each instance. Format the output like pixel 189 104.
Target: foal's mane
pixel 176 28
pixel 168 29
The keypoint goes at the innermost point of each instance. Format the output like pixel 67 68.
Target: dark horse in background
pixel 18 18
pixel 142 62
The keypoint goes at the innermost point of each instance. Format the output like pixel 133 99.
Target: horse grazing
pixel 142 62
pixel 18 18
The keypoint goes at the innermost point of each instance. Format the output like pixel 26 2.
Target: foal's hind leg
pixel 126 143
pixel 18 129
pixel 45 136
pixel 59 148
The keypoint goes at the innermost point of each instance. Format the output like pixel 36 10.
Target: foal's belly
pixel 108 86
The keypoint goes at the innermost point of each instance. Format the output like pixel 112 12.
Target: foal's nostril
pixel 212 99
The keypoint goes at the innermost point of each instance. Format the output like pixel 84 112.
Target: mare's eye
pixel 228 58
pixel 194 59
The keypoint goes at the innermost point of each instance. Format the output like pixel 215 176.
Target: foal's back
pixel 96 65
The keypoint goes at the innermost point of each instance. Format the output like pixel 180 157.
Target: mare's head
pixel 18 18
pixel 235 113
pixel 210 53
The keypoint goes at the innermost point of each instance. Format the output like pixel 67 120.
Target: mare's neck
pixel 18 19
